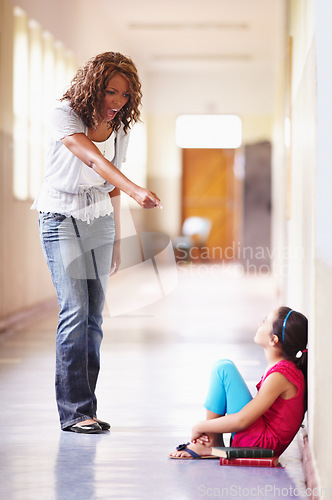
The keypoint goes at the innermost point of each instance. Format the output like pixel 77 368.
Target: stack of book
pixel 250 457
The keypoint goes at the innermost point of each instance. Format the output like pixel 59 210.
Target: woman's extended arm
pixel 274 386
pixel 81 146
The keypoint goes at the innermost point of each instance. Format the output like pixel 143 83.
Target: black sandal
pixel 194 455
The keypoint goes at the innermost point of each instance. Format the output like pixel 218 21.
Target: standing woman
pixel 80 224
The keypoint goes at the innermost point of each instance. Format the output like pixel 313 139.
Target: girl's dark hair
pixel 295 340
pixel 88 86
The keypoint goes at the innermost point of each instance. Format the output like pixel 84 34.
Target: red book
pixel 251 462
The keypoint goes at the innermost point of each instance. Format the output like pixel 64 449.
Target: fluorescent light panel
pixel 209 131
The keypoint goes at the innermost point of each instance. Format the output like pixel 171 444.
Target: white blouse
pixel 70 187
pixel 90 202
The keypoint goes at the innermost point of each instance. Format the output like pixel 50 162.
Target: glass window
pixel 42 70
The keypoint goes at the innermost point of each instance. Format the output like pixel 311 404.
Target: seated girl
pixel 273 417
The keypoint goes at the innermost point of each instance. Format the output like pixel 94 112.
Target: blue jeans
pixel 79 256
pixel 228 393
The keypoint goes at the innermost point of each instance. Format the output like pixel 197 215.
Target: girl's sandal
pixel 194 455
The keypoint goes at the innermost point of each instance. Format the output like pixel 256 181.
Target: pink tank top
pixel 277 427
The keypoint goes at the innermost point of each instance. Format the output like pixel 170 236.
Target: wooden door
pixel 210 189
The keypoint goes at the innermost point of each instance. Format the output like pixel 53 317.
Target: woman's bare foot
pixel 198 448
pixel 89 421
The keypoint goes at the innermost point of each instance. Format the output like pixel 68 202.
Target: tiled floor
pixel 155 370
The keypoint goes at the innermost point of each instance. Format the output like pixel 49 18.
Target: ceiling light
pixel 188 26
pixel 209 131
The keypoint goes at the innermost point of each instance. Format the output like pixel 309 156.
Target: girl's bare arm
pixel 274 386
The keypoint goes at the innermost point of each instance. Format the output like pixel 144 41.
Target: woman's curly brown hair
pixel 88 86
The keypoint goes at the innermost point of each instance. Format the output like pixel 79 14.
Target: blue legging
pixel 228 393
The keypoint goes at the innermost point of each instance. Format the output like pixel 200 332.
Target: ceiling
pixel 196 35
pixel 232 49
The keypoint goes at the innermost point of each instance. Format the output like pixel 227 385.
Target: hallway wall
pixel 320 426
pixel 24 278
pixel 302 205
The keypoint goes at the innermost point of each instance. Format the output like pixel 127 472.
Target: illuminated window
pixel 41 71
pixel 209 131
pixel 35 106
pixel 21 102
